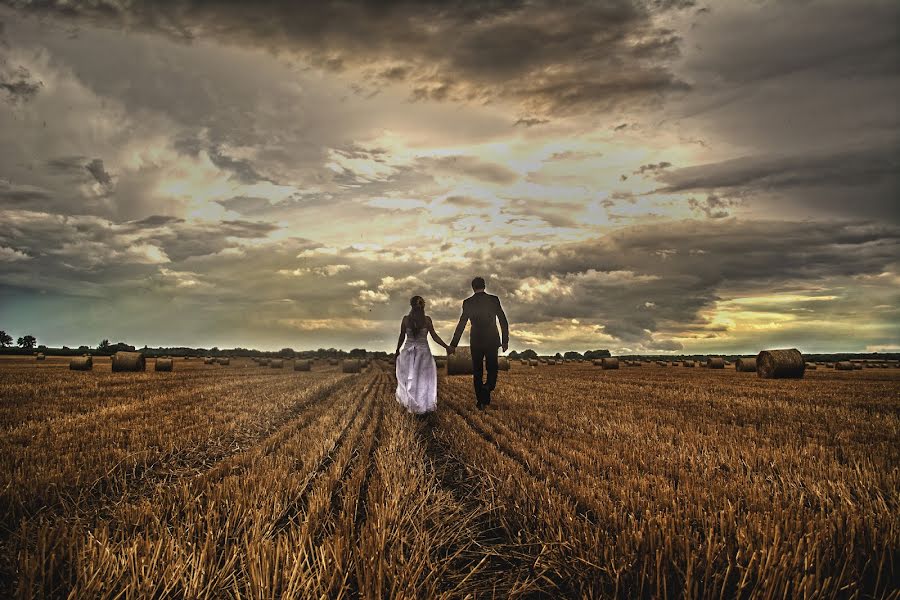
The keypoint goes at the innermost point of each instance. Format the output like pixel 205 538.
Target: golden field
pixel 243 481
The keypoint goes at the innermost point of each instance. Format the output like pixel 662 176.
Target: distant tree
pixel 103 345
pixel 358 353
pixel 558 355
pixel 529 354
pixel 513 354
pixel 27 341
pixel 591 354
pixel 5 340
pixel 573 355
pixel 120 347
pixel 83 348
pixel 286 353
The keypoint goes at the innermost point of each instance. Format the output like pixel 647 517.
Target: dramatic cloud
pixel 589 56
pixel 641 175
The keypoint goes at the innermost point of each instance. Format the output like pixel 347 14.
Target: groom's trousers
pixel 482 356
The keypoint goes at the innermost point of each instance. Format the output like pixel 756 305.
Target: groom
pixel 483 310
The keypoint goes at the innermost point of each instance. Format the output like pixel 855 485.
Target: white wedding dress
pixel 416 374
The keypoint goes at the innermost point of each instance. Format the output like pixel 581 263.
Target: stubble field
pixel 248 482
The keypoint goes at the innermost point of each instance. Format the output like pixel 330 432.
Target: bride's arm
pixel 402 334
pixel 434 334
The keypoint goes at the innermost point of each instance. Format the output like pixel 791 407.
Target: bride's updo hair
pixel 416 314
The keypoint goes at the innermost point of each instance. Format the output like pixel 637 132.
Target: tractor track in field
pixel 299 506
pixel 495 434
pixel 495 551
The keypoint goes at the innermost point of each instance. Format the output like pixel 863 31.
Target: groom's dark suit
pixel 483 310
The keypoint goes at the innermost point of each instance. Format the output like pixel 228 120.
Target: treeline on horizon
pixel 28 345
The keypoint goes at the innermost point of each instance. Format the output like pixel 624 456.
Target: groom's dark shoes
pixel 481 398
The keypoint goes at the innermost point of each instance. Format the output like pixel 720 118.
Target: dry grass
pixel 577 482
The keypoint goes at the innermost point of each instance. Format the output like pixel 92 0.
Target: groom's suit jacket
pixel 483 310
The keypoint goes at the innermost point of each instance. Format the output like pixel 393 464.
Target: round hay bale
pixel 597 362
pixel 533 362
pixel 551 362
pixel 351 365
pixel 40 356
pixel 303 365
pixel 333 361
pixel 128 361
pixel 745 365
pixel 209 360
pixel 264 362
pixel 224 361
pixel 715 362
pixel 81 363
pixel 609 363
pixel 857 366
pixel 276 363
pixel 163 364
pixel 460 362
pixel 844 365
pixel 811 366
pixel 503 363
pixel 780 364
pixel 688 363
pixel 637 363
pixel 661 363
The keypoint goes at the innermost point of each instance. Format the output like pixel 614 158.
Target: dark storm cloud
pixel 16 195
pixel 242 170
pixel 654 168
pixel 469 166
pixel 842 168
pixel 98 172
pixel 17 83
pixel 649 278
pixel 531 121
pixel 583 56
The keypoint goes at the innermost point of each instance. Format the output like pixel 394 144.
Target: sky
pixel 647 176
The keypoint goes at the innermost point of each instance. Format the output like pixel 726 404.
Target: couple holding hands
pixel 416 371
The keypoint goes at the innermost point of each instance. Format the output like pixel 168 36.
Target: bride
pixel 416 372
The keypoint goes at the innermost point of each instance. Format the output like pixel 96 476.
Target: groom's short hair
pixel 478 283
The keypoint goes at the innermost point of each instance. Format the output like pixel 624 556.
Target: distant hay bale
pixel 780 364
pixel 351 365
pixel 224 361
pixel 264 362
pixel 276 363
pixel 745 365
pixel 688 363
pixel 163 364
pixel 533 362
pixel 597 362
pixel 609 363
pixel 715 362
pixel 844 365
pixel 40 356
pixel 209 361
pixel 303 365
pixel 857 366
pixel 661 363
pixel 551 362
pixel 81 363
pixel 503 363
pixel 811 366
pixel 333 361
pixel 128 361
pixel 637 363
pixel 460 362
